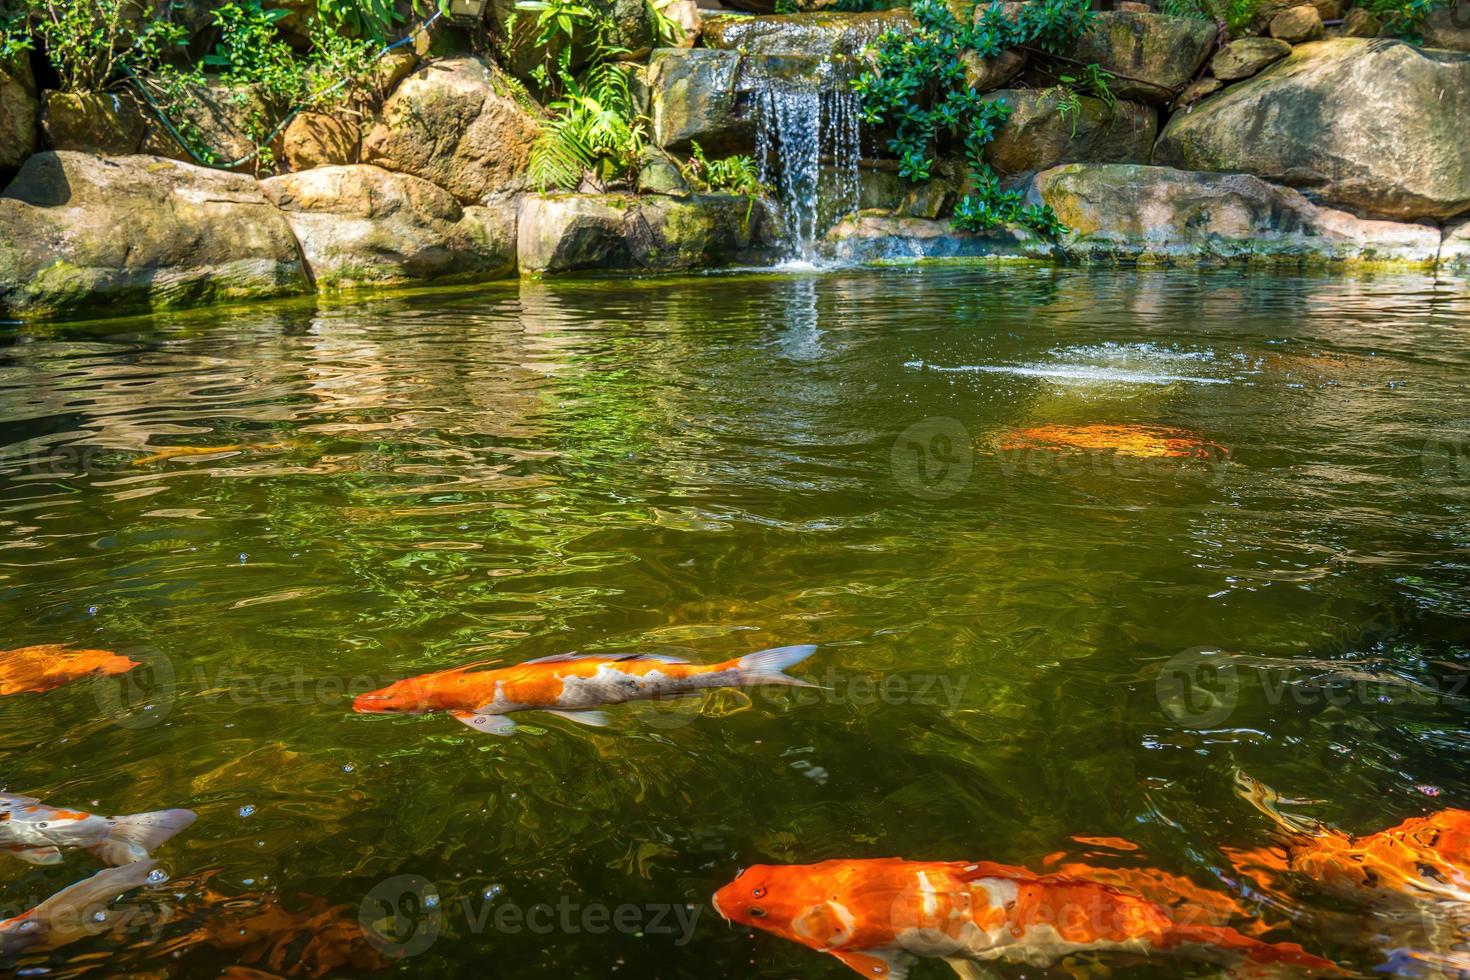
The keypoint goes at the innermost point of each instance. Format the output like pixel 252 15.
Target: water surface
pixel 1019 645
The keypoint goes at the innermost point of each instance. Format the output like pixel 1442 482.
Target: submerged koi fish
pixel 1140 441
pixel 36 833
pixel 1421 858
pixel 879 916
pixel 74 912
pixel 573 685
pixel 35 670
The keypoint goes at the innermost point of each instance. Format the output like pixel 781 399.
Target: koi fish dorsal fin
pixel 990 869
pixel 9 800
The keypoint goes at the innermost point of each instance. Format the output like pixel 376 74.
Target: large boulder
pixel 577 232
pixel 1038 136
pixel 1297 24
pixel 79 232
pixel 1373 126
pixel 869 237
pixel 19 110
pixel 1153 55
pixel 824 35
pixel 361 225
pixel 222 124
pixel 461 123
pixel 108 123
pixel 1155 214
pixel 694 96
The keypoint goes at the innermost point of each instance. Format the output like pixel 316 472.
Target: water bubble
pixel 493 892
pixel 157 876
pixel 244 557
pixel 431 900
pixel 247 810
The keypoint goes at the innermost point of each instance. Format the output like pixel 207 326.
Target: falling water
pixel 800 125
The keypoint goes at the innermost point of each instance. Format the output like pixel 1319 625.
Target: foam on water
pixel 1069 373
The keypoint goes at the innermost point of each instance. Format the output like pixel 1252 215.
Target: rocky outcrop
pixel 1448 26
pixel 1246 56
pixel 1298 24
pixel 80 233
pixel 19 110
pixel 1155 214
pixel 1373 126
pixel 1153 56
pixel 314 139
pixel 108 123
pixel 1038 136
pixel 986 74
pixel 363 226
pixel 579 232
pixel 460 123
pixel 222 122
pixel 695 97
pixel 868 237
pixel 883 190
pixel 803 35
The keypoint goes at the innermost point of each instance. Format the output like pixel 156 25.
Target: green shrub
pixel 917 85
pixel 594 124
pixel 1403 18
pixel 1234 15
pixel 737 175
pixel 89 42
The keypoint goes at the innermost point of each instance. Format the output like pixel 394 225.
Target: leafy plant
pixel 739 175
pixel 1232 16
pixel 89 42
pixel 370 20
pixel 15 38
pixel 917 85
pixel 594 123
pixel 1403 18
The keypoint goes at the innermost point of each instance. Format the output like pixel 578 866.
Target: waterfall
pixel 799 124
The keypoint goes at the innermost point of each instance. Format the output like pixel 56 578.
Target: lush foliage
pixel 738 175
pixel 90 41
pixel 1403 18
pixel 594 124
pixel 917 85
pixel 1234 16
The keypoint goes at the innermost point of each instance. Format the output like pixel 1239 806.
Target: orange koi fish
pixel 878 917
pixel 74 912
pixel 574 685
pixel 35 670
pixel 1139 441
pixel 1421 858
pixel 36 833
pixel 186 452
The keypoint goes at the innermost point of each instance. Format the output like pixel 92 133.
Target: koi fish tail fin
pixel 1268 801
pixel 79 909
pixel 134 838
pixel 1256 959
pixel 769 666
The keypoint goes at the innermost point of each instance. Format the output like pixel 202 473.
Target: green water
pixel 709 467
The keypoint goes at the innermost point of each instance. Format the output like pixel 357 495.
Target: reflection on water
pixel 275 508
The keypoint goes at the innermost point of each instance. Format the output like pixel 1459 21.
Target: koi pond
pixel 1159 581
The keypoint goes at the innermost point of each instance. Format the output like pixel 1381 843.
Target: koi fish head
pixel 790 901
pixel 771 897
pixel 410 696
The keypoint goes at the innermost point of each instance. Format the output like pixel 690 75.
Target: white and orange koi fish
pixel 879 916
pixel 74 912
pixel 36 833
pixel 574 686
